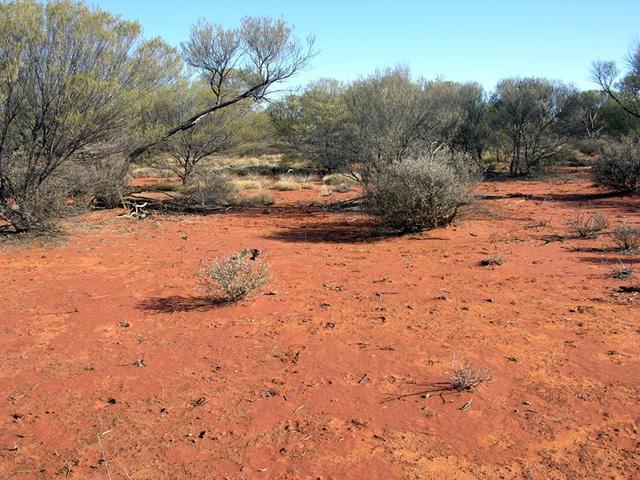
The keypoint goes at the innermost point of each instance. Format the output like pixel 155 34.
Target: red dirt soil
pixel 298 381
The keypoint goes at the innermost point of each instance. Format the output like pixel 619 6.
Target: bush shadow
pixel 179 303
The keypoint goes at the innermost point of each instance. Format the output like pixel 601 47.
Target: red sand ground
pixel 292 383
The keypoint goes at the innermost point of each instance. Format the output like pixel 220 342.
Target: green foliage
pixel 618 166
pixel 72 79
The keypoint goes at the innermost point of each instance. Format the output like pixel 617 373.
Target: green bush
pixel 618 167
pixel 418 194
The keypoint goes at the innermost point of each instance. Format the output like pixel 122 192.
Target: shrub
pixel 418 194
pixel 618 167
pixel 465 376
pixel 587 226
pixel 209 187
pixel 232 278
pixel 627 237
pixel 622 271
pixel 491 261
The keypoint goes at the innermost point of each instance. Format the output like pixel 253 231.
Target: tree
pixel 531 114
pixel 72 79
pixel 238 64
pixel 214 133
pixel 314 124
pixel 625 91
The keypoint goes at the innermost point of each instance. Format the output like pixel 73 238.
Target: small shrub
pixel 209 187
pixel 418 194
pixel 618 167
pixel 232 278
pixel 622 271
pixel 627 237
pixel 165 187
pixel 286 185
pixel 490 261
pixel 466 377
pixel 587 226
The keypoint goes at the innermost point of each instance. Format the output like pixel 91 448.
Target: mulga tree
pixel 242 64
pixel 530 115
pixel 72 80
pixel 215 133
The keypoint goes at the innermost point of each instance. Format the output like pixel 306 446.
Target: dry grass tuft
pixel 286 185
pixel 465 376
pixel 622 271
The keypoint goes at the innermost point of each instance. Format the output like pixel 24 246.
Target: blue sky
pixel 456 40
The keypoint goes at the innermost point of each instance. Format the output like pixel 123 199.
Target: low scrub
pixel 627 238
pixel 259 199
pixel 587 226
pixel 234 277
pixel 618 167
pixel 419 193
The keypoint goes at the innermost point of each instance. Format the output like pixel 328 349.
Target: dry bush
pixel 490 261
pixel 232 278
pixel 618 166
pixel 259 199
pixel 587 226
pixel 627 237
pixel 465 376
pixel 419 193
pixel 209 187
pixel 286 185
pixel 622 271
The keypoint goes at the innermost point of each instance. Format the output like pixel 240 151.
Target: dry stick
pixel 104 458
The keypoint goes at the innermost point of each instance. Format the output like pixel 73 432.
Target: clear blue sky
pixel 482 40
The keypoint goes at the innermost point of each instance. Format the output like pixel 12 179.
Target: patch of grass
pixel 247 184
pixel 262 198
pixel 326 191
pixel 286 185
pixel 490 261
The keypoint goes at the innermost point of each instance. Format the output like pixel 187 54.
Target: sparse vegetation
pixel 587 226
pixel 627 238
pixel 234 277
pixel 259 199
